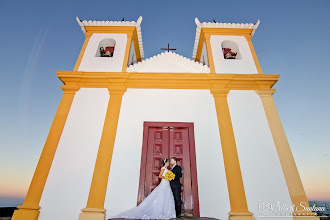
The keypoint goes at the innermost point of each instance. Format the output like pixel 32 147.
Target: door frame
pixel 193 167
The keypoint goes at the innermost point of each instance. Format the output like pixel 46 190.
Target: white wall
pixel 204 55
pixel 67 186
pixel 245 65
pixel 131 54
pixel 91 63
pixel 261 169
pixel 139 105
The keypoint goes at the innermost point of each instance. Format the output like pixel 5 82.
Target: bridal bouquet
pixel 169 175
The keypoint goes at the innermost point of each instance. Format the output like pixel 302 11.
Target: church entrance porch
pixel 166 140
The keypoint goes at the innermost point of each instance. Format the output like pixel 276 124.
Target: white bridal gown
pixel 159 204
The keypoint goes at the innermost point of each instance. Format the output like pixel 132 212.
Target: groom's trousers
pixel 177 199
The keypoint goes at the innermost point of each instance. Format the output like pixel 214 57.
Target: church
pixel 120 114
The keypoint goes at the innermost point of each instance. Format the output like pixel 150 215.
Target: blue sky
pixel 39 37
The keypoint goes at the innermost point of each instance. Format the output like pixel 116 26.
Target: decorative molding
pixel 70 88
pixel 168 80
pixel 265 92
pixel 169 58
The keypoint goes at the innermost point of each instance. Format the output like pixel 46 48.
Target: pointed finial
pixel 79 21
pixel 256 24
pixel 255 27
pixel 197 21
pixel 139 20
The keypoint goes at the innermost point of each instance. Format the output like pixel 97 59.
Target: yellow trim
pixel 110 29
pixel 200 48
pixel 235 185
pixel 95 204
pixel 136 46
pixel 30 208
pixel 209 53
pixel 127 51
pixel 168 80
pixel 254 55
pixel 290 171
pixel 227 31
pixel 82 51
pixel 205 37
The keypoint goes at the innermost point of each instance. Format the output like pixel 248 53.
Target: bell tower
pixel 226 47
pixel 110 46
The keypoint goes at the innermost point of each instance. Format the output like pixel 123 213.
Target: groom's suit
pixel 176 188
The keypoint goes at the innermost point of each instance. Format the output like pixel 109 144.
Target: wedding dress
pixel 159 204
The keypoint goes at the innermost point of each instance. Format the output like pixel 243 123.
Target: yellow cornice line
pixel 110 29
pixel 168 80
pixel 227 31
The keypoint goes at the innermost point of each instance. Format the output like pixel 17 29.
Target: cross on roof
pixel 168 48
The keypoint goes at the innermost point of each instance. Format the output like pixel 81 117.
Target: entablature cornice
pixel 168 80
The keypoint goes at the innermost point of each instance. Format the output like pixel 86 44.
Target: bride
pixel 159 204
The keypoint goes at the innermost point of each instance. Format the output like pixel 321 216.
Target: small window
pixel 230 50
pixel 106 48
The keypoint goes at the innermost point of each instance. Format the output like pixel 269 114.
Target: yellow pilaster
pixel 30 208
pixel 207 38
pixel 254 55
pixel 290 171
pixel 95 205
pixel 82 51
pixel 238 204
pixel 128 48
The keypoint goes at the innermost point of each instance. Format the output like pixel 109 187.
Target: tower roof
pixel 136 24
pixel 169 62
pixel 220 25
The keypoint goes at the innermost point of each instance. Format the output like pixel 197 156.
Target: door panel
pixel 179 148
pixel 158 142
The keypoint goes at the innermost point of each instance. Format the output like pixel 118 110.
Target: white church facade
pixel 120 114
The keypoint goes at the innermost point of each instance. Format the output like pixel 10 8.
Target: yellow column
pixel 239 209
pixel 290 171
pixel 30 208
pixel 207 38
pixel 128 49
pixel 95 205
pixel 82 51
pixel 254 55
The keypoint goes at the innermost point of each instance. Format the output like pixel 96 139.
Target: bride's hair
pixel 163 161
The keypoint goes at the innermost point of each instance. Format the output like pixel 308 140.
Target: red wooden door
pixel 158 142
pixel 179 148
pixel 165 140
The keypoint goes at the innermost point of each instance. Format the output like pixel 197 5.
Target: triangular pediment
pixel 168 62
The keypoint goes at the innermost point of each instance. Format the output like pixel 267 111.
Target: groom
pixel 176 185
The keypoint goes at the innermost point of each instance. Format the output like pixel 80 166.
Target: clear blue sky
pixel 39 37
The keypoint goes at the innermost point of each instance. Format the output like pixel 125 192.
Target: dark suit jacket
pixel 178 174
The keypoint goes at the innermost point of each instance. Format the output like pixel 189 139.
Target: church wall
pixel 245 65
pixel 91 63
pixel 67 186
pixel 139 105
pixel 204 55
pixel 260 166
pixel 132 55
